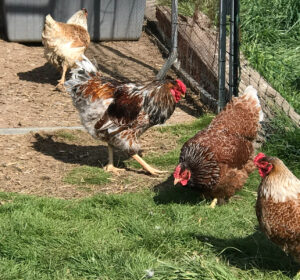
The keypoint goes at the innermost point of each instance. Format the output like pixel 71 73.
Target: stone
pixel 286 106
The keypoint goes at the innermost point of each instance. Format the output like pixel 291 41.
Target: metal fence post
pixel 222 56
pixel 173 55
pixel 234 49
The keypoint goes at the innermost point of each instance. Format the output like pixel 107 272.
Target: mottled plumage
pixel 218 159
pixel 278 204
pixel 119 113
pixel 64 43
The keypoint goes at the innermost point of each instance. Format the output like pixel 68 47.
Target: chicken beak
pixel 176 181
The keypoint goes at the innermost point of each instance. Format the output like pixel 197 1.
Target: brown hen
pixel 218 159
pixel 278 204
pixel 65 43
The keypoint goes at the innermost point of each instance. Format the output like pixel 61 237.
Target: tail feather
pixel 86 65
pixel 50 29
pixel 82 73
pixel 49 19
pixel 251 92
pixel 241 115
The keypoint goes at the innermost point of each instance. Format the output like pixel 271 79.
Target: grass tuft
pixel 66 135
pixel 87 175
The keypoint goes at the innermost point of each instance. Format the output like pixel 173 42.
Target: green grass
pixel 170 231
pixel 87 175
pixel 270 40
pixel 66 135
pixel 187 7
pixel 270 35
pixel 283 142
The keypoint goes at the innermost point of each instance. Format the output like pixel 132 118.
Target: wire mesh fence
pixel 198 45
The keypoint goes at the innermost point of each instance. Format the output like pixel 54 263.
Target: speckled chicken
pixel 64 43
pixel 119 113
pixel 218 159
pixel 278 204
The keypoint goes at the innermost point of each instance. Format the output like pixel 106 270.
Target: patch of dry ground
pixel 27 83
pixel 36 164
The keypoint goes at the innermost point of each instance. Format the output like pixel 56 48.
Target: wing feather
pixel 228 148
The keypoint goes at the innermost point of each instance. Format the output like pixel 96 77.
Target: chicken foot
pixel 110 165
pixel 213 203
pixel 146 166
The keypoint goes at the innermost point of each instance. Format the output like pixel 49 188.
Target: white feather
pixel 251 92
pixel 81 73
pixel 282 189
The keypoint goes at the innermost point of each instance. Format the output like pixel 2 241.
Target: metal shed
pixel 107 19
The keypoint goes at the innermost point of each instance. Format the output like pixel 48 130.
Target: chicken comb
pixel 181 85
pixel 259 157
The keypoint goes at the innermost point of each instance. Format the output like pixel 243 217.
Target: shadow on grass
pixel 166 193
pixel 73 153
pixel 45 74
pixel 253 251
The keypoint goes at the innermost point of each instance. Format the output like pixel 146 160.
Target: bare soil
pixel 37 163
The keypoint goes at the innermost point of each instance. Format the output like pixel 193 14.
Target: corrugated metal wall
pixel 107 19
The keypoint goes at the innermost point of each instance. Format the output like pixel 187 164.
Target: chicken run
pixel 216 161
pixel 31 83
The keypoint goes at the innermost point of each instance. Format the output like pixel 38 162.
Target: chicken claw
pixel 60 87
pixel 213 203
pixel 154 171
pixel 147 167
pixel 111 168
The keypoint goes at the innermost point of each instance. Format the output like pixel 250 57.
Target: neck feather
pixel 78 19
pixel 280 185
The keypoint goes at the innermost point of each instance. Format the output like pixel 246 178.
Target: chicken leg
pixel 110 165
pixel 146 166
pixel 213 203
pixel 63 77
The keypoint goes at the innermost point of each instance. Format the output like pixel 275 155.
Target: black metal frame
pixel 231 8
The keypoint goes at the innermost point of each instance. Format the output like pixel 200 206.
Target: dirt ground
pixel 37 163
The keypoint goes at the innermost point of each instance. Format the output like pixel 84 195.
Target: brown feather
pixel 240 117
pixel 96 89
pixel 75 34
pixel 65 43
pixel 281 223
pixel 119 112
pixel 220 156
pixel 278 208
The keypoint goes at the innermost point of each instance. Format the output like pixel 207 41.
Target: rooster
pixel 218 159
pixel 119 113
pixel 65 42
pixel 278 204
